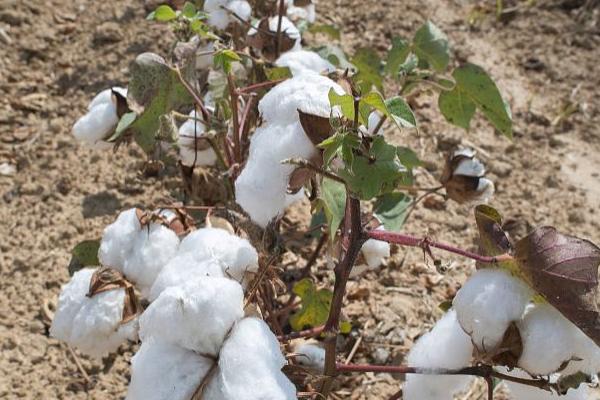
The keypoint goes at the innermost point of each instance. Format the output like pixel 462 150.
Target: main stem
pixel 352 239
pixel 237 151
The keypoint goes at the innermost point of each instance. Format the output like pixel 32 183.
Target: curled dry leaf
pixel 105 279
pixel 302 175
pixel 564 270
pixel 175 218
pixel 492 239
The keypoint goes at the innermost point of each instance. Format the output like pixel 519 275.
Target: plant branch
pixel 426 243
pixel 307 164
pixel 237 149
pixel 261 85
pixel 192 92
pixel 279 20
pixel 317 330
pixel 244 124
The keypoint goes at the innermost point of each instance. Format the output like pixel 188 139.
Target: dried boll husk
pixel 463 178
pixel 266 44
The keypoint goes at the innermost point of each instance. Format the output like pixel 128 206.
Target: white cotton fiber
pixel 470 166
pixel 96 125
pixel 184 268
pixel 310 355
pixel 163 371
pixel 303 60
pixel 373 122
pixel 240 7
pixel 250 366
pixel 220 18
pixel 375 251
pixel 446 346
pixel 105 96
pixel 488 302
pixel 196 315
pixel 187 133
pixel 153 247
pixel 118 238
pixel 585 350
pixel 91 324
pixel 548 340
pixel 237 257
pixel 307 13
pixel 524 392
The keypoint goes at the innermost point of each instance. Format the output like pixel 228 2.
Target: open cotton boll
pixel 152 249
pixel 446 346
pixel 307 92
pixel 261 188
pixel 303 60
pixel 486 190
pixel 163 371
pixel 105 96
pixel 196 315
pixel 236 256
pixel 487 303
pixel 250 365
pixel 470 167
pixel 310 355
pixel 184 268
pixel 307 13
pixel 524 392
pixel 96 125
pixel 241 8
pixel 375 251
pixel 91 324
pixel 547 339
pixel 118 238
pixel 585 350
pixel 373 122
pixel 189 152
pixel 217 16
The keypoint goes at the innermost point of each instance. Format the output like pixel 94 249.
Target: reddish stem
pixel 258 86
pixel 233 93
pixel 317 330
pixel 244 124
pixel 425 243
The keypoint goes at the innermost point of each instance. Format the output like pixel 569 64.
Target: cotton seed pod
pixel 266 44
pixel 463 178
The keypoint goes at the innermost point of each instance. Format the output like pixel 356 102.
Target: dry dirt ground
pixel 55 55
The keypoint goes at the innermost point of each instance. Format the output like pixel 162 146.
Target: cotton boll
pixel 250 365
pixel 236 256
pixel 288 28
pixel 488 302
pixel 375 251
pixel 446 346
pixel 547 340
pixel 524 392
pixel 303 60
pixel 196 315
pixel 310 355
pixel 240 7
pixel 91 324
pixel 152 249
pixel 585 350
pixel 485 190
pixel 181 269
pixel 163 371
pixel 105 96
pixel 470 167
pixel 96 125
pixel 189 152
pixel 118 238
pixel 373 122
pixel 307 13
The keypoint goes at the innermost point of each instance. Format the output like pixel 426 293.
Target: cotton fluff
pixel 375 251
pixel 304 60
pixel 307 13
pixel 488 302
pixel 237 257
pixel 100 120
pixel 163 371
pixel 153 247
pixel 118 238
pixel 372 122
pixel 548 339
pixel 287 27
pixel 219 16
pixel 250 365
pixel 196 315
pixel 446 346
pixel 91 324
pixel 524 392
pixel 310 355
pixel 587 352
pixel 181 269
pixel 188 134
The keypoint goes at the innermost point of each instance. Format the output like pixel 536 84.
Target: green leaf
pixel 340 144
pixel 397 56
pixel 84 254
pixel 277 73
pixel 457 107
pixel 189 10
pixel 315 305
pixel 400 112
pixel 330 30
pixel 164 13
pixel 408 158
pixel 345 101
pixel 376 173
pixel 124 123
pixel 475 83
pixel 334 55
pixel 390 209
pixel 224 58
pixel 369 69
pixel 333 196
pixel 375 100
pixel 345 327
pixel 431 44
pixel 318 219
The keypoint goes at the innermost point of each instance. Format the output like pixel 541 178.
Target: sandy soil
pixel 54 57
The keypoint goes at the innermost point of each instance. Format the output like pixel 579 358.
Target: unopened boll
pixel 100 121
pixel 237 257
pixel 487 303
pixel 91 324
pixel 303 60
pixel 196 315
pixel 310 355
pixel 250 365
pixel 193 149
pixel 375 251
pixel 163 371
pixel 446 346
pixel 298 13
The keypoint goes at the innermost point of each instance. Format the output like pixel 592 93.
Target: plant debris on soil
pixel 55 55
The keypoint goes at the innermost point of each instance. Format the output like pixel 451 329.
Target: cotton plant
pixel 194 148
pixel 301 10
pixel 220 12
